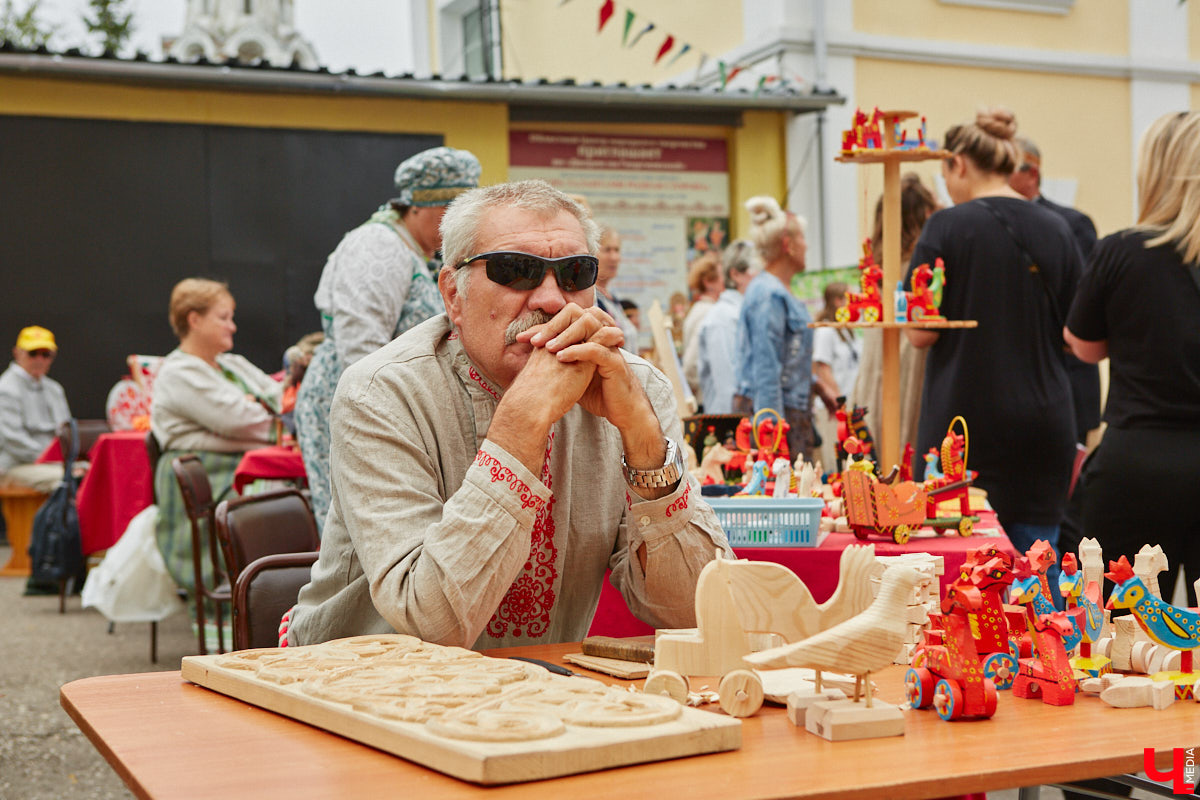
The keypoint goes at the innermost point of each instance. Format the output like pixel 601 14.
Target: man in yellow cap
pixel 31 408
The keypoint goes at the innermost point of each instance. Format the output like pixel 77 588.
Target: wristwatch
pixel 663 477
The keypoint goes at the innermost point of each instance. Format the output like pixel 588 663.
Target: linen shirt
pixel 717 353
pixel 30 412
pixel 437 532
pixel 195 407
pixel 776 346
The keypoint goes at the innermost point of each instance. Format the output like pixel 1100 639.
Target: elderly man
pixel 31 407
pixel 491 463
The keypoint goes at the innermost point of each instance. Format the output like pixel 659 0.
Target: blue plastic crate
pixel 767 522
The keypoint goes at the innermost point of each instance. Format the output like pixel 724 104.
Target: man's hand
pixel 589 336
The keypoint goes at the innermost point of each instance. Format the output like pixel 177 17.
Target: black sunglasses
pixel 42 353
pixel 525 271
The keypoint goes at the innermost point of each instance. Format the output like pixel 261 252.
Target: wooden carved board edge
pixel 578 750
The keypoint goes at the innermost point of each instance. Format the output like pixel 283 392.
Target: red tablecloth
pixel 117 486
pixel 817 567
pixel 277 463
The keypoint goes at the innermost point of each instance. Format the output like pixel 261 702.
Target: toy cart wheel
pixel 870 314
pixel 965 526
pixel 1001 668
pixel 948 700
pixel 666 682
pixel 918 686
pixel 901 534
pixel 741 693
pixel 842 314
pixel 990 698
pixel 860 532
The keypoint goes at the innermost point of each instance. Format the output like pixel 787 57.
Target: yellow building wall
pixel 1093 26
pixel 479 127
pixel 550 39
pixel 1079 123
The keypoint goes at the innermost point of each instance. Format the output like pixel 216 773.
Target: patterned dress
pixel 375 286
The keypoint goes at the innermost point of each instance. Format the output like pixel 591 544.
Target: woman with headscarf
pixel 1006 377
pixel 379 282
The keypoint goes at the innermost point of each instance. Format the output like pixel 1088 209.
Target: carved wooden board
pixel 487 720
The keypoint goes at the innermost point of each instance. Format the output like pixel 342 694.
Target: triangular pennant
pixel 721 74
pixel 641 33
pixel 667 44
pixel 606 12
pixel 629 15
pixel 686 47
pixel 761 82
pixel 732 73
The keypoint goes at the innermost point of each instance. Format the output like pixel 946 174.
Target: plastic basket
pixel 767 522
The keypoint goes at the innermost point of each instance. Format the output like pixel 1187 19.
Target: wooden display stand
pixel 19 505
pixel 892 156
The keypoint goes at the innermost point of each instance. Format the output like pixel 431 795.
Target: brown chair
pixel 263 593
pixel 89 431
pixel 264 524
pixel 198 501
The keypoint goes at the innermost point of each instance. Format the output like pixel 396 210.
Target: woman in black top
pixel 1005 377
pixel 1139 305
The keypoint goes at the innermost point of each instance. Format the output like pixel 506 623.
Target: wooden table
pixel 170 739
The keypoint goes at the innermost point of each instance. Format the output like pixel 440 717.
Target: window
pixel 476 43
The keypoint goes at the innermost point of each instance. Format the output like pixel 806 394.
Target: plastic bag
pixel 132 584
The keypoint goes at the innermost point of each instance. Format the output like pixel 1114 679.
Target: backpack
pixel 55 549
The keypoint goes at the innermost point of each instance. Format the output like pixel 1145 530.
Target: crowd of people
pixel 483 442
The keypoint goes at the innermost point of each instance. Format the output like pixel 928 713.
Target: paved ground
pixel 43 755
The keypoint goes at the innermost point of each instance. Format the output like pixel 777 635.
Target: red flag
pixel 666 48
pixel 606 12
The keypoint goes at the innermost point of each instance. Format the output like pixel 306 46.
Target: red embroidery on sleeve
pixel 525 609
pixel 680 503
pixel 503 474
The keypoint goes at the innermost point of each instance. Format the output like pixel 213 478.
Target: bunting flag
pixel 642 33
pixel 667 44
pixel 629 15
pixel 725 74
pixel 562 3
pixel 606 12
pixel 682 51
pixel 763 81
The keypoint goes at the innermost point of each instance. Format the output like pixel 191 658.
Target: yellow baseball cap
pixel 35 337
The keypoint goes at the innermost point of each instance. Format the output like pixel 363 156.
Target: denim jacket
pixel 776 346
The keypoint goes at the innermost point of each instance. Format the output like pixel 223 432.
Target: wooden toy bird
pixel 1085 604
pixel 1168 625
pixel 859 646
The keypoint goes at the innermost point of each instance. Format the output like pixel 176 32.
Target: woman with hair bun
pixel 1138 305
pixel 1013 266
pixel 773 336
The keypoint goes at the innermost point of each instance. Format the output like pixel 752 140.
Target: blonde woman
pixel 207 401
pixel 1138 305
pixel 774 340
pixel 1006 377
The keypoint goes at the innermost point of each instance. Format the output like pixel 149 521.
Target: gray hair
pixel 740 256
pixel 460 225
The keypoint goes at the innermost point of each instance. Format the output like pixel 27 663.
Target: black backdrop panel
pixel 99 219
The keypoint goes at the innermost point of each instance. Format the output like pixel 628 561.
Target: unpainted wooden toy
pixel 859 646
pixel 737 597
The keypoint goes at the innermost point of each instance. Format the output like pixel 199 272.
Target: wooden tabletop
pixel 170 739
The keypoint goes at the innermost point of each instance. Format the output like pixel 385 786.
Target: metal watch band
pixel 665 476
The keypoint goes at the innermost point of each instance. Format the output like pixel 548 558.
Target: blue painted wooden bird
pixel 1168 625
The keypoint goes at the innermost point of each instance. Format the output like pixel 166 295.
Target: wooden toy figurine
pixel 946 672
pixel 1168 625
pixel 988 570
pixel 866 305
pixel 1048 672
pixel 1089 617
pixel 925 300
pixel 859 646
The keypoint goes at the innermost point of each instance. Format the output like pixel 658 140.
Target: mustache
pixel 522 324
